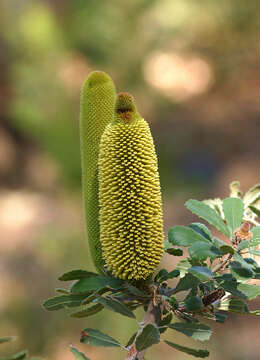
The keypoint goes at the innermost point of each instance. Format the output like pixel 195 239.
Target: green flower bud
pixel 130 195
pixel 96 111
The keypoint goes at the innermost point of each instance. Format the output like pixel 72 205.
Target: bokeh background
pixel 193 67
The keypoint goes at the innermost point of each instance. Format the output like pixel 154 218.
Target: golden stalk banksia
pixel 96 111
pixel 130 195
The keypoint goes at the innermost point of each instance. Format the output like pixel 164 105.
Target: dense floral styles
pixel 96 111
pixel 130 195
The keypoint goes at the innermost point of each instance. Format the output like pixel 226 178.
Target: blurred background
pixel 193 67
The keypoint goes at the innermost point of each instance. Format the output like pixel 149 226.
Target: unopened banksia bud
pixel 130 195
pixel 96 111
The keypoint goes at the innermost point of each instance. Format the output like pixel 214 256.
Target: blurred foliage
pixel 206 134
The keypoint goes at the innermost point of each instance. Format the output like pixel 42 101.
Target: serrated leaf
pixel 202 230
pixel 19 356
pixel 85 311
pixel 60 302
pixel 76 275
pixel 5 339
pixel 201 272
pixel 115 305
pixel 184 236
pixel 196 353
pixel 233 210
pixel 195 330
pixel 251 291
pixel 97 338
pixel 174 252
pixel 187 282
pixel 234 305
pixel 95 284
pixel 252 195
pixel 193 303
pixel 202 251
pixel 78 354
pixel 207 213
pixel 149 336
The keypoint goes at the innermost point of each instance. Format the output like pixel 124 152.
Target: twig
pixel 152 316
pixel 224 262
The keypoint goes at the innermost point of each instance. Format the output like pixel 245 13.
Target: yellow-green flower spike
pixel 96 111
pixel 130 195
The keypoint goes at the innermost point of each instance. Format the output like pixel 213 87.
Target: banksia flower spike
pixel 130 196
pixel 96 111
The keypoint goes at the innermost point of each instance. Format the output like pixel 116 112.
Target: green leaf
pixel 85 311
pixel 202 251
pixel 7 339
pixel 184 236
pixel 187 282
pixel 97 338
pixel 166 320
pixel 255 210
pixel 149 336
pixel 207 213
pixel 237 257
pixel 135 291
pixel 195 330
pixel 62 291
pixel 78 354
pixel 172 274
pixel 257 273
pixel 230 285
pixel 60 302
pixel 240 272
pixel 183 267
pixel 115 305
pixel 174 252
pixel 244 244
pixel 95 284
pixel 226 249
pixel 256 235
pixel 201 272
pixel 221 318
pixel 252 195
pixel 193 303
pixel 197 353
pixel 19 356
pixel 202 230
pixel 76 275
pixel 233 209
pixel 255 312
pixel 251 291
pixel 234 305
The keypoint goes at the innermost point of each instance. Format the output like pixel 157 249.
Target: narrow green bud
pixel 96 111
pixel 130 195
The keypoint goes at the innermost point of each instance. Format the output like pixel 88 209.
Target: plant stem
pixel 152 316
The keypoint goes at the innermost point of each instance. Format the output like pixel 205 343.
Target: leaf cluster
pixel 216 277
